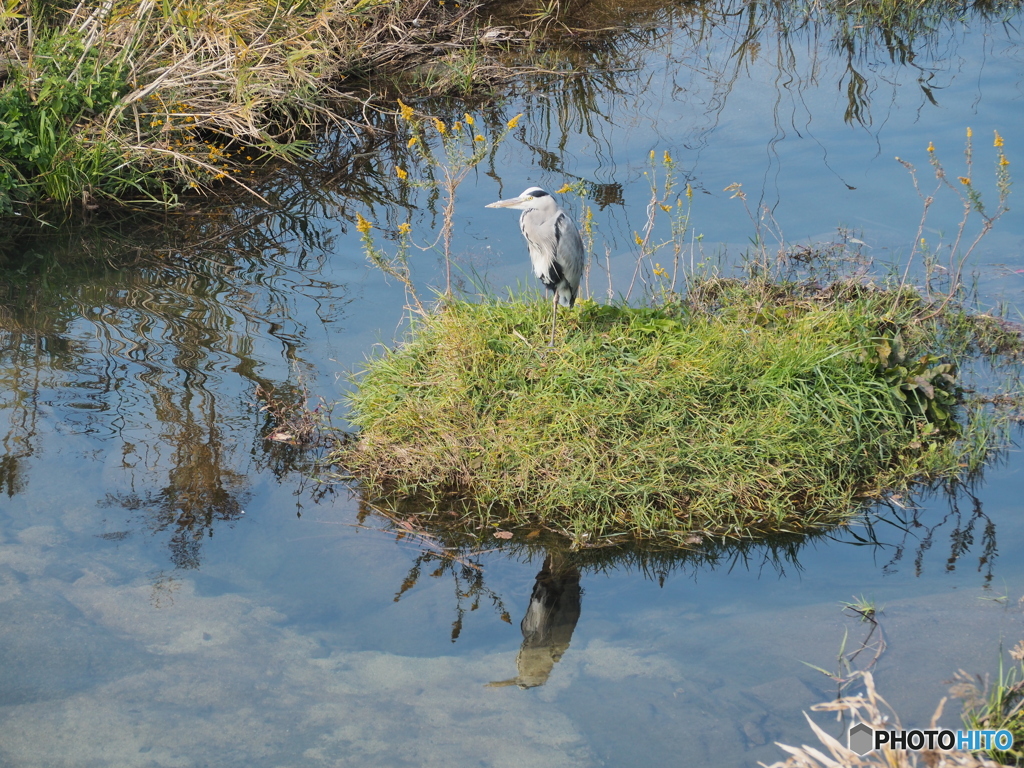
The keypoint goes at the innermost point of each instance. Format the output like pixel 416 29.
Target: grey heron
pixel 556 248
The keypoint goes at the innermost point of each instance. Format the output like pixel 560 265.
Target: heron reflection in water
pixel 548 624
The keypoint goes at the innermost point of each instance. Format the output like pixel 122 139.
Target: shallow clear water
pixel 175 594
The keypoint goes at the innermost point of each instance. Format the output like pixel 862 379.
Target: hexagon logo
pixel 861 738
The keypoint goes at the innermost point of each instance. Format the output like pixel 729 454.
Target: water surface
pixel 178 593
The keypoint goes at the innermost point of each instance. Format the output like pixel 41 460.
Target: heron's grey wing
pixel 569 250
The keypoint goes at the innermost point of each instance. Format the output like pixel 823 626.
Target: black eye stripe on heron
pixel 556 248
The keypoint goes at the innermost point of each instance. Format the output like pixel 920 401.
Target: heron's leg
pixel 554 316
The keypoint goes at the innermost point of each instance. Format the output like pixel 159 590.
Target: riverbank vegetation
pixel 136 102
pixel 988 706
pixel 140 103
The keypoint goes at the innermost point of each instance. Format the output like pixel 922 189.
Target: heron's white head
pixel 534 197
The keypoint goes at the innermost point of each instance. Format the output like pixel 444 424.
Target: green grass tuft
pixel 750 409
pixel 999 706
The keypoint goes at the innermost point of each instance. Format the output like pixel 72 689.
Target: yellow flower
pixel 998 141
pixel 639 240
pixel 659 271
pixel 666 208
pixel 1003 161
pixel 362 224
pixel 469 118
pixel 412 142
pixel 514 121
pixel 668 157
pixel 931 147
pixel 402 173
pixel 478 137
pixel 457 127
pixel 969 132
pixel 406 111
pixel 441 128
pixel 404 228
pixel 689 192
pixel 564 188
pixel 964 179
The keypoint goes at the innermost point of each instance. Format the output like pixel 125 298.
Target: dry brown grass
pixel 140 99
pixel 872 709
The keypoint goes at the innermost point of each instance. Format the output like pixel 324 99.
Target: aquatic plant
pixel 972 205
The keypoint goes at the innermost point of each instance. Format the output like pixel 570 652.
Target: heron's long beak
pixel 508 203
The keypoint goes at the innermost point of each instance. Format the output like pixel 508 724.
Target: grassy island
pixel 748 408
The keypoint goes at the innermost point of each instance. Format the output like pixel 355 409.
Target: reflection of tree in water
pixel 31 341
pixel 151 334
pixel 148 346
pixel 202 488
pixel 872 54
pixel 468 577
pixel 916 529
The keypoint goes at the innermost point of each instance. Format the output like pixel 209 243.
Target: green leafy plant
pixel 43 111
pixel 927 386
pixel 863 607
